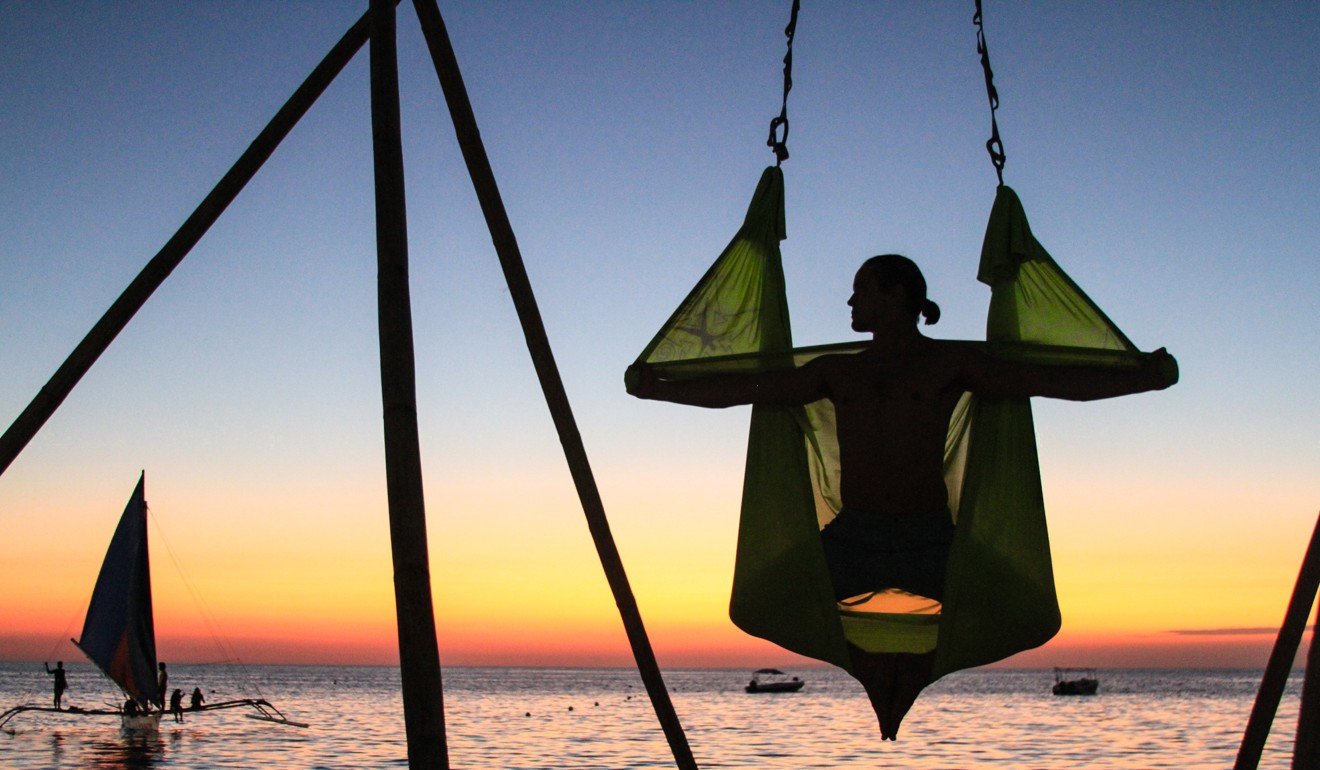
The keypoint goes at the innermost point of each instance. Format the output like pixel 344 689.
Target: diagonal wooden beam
pixel 538 344
pixel 1281 657
pixel 1306 746
pixel 66 377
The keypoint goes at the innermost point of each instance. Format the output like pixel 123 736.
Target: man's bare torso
pixel 893 416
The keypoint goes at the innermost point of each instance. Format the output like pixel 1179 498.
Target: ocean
pixel 516 718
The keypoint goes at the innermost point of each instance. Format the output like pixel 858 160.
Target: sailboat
pixel 119 634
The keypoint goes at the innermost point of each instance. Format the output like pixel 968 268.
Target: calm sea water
pixel 519 718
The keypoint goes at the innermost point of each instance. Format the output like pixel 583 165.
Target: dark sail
pixel 119 635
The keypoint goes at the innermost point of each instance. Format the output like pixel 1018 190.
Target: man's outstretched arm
pixel 790 387
pixel 990 376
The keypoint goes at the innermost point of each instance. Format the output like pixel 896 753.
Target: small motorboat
pixel 1075 681
pixel 773 680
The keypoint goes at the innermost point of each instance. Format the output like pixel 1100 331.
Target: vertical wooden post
pixel 419 657
pixel 1281 658
pixel 62 382
pixel 529 316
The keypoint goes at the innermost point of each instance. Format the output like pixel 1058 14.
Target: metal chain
pixel 993 146
pixel 778 142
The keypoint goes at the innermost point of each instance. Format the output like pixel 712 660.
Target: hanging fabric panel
pixel 736 320
pixel 999 593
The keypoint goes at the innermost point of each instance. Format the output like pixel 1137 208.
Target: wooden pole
pixel 49 398
pixel 1306 747
pixel 529 316
pixel 419 657
pixel 1281 658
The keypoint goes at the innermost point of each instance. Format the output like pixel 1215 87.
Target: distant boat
pixel 773 680
pixel 1075 681
pixel 119 634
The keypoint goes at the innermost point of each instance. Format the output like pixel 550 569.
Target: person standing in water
pixel 893 402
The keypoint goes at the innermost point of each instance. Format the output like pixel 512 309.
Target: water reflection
pixel 57 741
pixel 130 750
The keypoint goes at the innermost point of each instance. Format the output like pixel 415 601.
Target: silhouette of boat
pixel 773 680
pixel 119 634
pixel 1066 681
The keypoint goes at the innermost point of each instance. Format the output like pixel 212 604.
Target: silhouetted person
pixel 161 682
pixel 132 708
pixel 176 705
pixel 893 402
pixel 61 682
pixel 195 701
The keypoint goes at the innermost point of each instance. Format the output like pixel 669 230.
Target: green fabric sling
pixel 999 594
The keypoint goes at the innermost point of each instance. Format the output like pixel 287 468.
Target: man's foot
pixel 892 681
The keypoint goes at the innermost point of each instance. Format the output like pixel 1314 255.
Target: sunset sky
pixel 1166 154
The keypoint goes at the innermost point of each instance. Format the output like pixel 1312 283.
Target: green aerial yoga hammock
pixel 999 588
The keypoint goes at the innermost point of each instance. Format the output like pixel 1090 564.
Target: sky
pixel 1165 154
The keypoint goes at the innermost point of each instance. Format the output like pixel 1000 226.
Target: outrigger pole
pixel 62 382
pixel 552 386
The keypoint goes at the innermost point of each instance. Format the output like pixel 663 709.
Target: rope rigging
pixel 993 145
pixel 777 142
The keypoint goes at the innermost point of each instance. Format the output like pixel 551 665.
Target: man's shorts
pixel 869 552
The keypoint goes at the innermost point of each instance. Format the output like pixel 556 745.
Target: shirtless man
pixel 893 402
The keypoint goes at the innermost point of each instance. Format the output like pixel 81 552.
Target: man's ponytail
pixel 930 311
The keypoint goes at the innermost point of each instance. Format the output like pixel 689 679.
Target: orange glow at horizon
pixel 310 581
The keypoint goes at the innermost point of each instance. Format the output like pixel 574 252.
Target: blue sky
pixel 1165 153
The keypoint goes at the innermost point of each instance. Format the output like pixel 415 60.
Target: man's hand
pixel 639 380
pixel 1161 369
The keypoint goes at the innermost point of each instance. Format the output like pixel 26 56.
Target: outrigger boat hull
pixel 265 712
